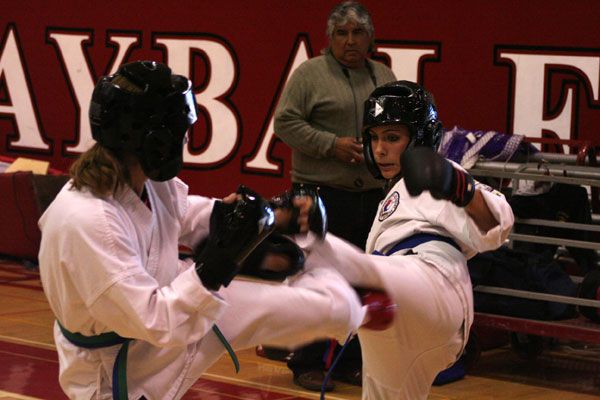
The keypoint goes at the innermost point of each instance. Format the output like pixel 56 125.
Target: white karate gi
pixel 112 265
pixel 432 288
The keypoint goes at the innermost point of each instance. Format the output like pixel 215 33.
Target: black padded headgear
pixel 150 124
pixel 405 103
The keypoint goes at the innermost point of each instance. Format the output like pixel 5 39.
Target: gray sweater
pixel 322 100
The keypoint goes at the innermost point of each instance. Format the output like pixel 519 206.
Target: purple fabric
pixel 465 147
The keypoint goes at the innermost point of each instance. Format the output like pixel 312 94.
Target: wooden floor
pixel 28 362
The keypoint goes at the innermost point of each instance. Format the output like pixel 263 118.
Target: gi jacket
pixel 111 265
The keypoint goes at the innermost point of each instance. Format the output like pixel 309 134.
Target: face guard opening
pixel 400 103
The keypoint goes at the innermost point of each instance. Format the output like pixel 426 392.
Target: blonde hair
pixel 100 170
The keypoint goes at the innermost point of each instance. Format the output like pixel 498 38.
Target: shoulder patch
pixel 389 206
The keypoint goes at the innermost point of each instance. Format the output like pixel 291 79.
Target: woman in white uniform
pixel 432 219
pixel 133 321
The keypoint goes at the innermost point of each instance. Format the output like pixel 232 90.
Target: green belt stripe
pixel 228 347
pixel 108 339
pixel 120 374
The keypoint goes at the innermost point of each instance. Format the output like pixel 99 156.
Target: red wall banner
pixel 531 68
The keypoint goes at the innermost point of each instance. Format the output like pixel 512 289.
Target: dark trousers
pixel 350 216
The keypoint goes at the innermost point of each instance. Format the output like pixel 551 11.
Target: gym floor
pixel 563 370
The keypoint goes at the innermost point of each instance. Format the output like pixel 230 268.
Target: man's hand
pixel 423 169
pixel 348 149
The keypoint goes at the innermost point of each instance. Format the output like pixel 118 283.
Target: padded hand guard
pixel 235 231
pixel 317 216
pixel 275 244
pixel 380 309
pixel 424 169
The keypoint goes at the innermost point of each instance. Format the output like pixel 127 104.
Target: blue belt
pixel 120 366
pixel 415 240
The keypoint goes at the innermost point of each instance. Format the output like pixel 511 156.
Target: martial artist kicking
pixel 433 217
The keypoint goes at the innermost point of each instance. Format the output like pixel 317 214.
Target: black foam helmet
pixel 405 103
pixel 150 124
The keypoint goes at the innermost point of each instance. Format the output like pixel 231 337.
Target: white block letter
pixel 260 158
pixel 224 136
pixel 13 72
pixel 530 91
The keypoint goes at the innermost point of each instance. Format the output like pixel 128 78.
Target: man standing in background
pixel 320 116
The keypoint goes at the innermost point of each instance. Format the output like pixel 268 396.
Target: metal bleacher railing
pixel 580 167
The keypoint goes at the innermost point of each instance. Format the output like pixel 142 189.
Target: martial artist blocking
pixel 132 321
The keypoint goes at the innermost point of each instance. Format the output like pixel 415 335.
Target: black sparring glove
pixel 317 216
pixel 423 169
pixel 235 231
pixel 275 244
